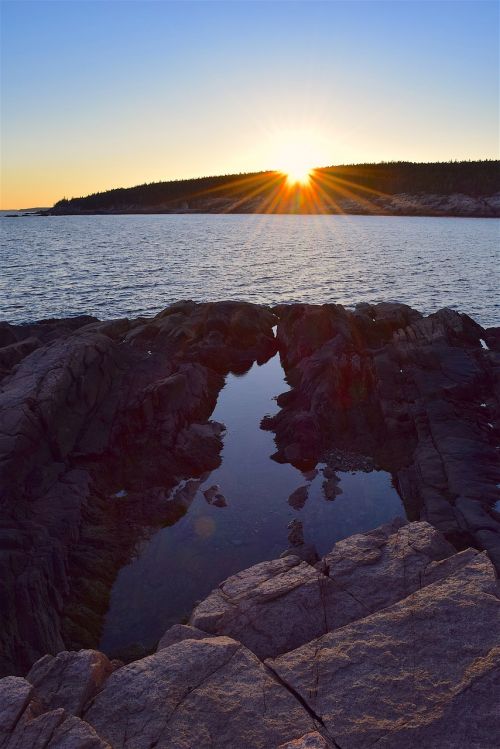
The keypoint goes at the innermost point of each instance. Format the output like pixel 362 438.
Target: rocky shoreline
pixel 401 204
pixel 88 409
pixel 101 420
pixel 391 639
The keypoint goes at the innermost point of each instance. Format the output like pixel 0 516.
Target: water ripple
pixel 113 266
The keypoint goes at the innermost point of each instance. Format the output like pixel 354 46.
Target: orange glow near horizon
pixel 296 152
pixel 298 175
pixel 294 185
pixel 298 189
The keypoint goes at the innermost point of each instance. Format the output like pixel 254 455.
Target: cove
pixel 180 564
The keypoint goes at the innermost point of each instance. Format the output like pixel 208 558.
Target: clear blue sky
pixel 101 94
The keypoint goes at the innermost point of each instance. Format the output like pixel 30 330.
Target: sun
pixel 298 173
pixel 296 154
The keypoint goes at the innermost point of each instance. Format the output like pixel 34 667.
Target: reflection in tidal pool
pixel 180 564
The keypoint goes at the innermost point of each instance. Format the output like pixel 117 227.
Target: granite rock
pixel 69 679
pixel 276 606
pixel 26 724
pixel 390 639
pixel 197 693
pixel 313 740
pixel 415 396
pixel 178 633
pixel 418 673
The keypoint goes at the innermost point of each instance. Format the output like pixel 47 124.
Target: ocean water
pixel 114 266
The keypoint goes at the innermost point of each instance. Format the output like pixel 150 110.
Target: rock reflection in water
pixel 180 564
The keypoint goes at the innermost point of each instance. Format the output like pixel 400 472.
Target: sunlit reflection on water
pixel 115 266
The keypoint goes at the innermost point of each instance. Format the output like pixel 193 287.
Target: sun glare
pixel 296 154
pixel 298 174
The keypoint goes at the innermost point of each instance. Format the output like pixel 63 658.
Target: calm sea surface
pixel 114 266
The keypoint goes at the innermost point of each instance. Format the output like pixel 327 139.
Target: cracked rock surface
pixel 419 396
pixel 98 422
pixel 276 606
pixel 198 693
pixel 414 674
pixel 412 663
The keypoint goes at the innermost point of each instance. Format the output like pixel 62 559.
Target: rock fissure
pixel 316 718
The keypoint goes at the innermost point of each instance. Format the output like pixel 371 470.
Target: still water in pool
pixel 179 565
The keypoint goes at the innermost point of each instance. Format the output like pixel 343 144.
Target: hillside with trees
pixel 442 188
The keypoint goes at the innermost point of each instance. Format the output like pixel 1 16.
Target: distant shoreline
pixel 470 188
pixel 444 189
pixel 464 207
pixel 253 213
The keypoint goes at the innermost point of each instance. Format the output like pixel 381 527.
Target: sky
pixel 105 94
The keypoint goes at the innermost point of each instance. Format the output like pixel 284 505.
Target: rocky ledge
pixel 100 421
pixel 419 395
pixel 391 639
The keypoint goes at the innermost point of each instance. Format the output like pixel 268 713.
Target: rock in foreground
pixel 413 662
pixel 99 421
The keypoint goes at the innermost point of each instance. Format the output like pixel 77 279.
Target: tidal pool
pixel 179 565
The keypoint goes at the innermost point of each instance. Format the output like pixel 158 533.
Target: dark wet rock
pixel 298 498
pixel 99 422
pixel 198 445
pixel 214 496
pixel 492 338
pixel 384 387
pixel 12 354
pixel 295 533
